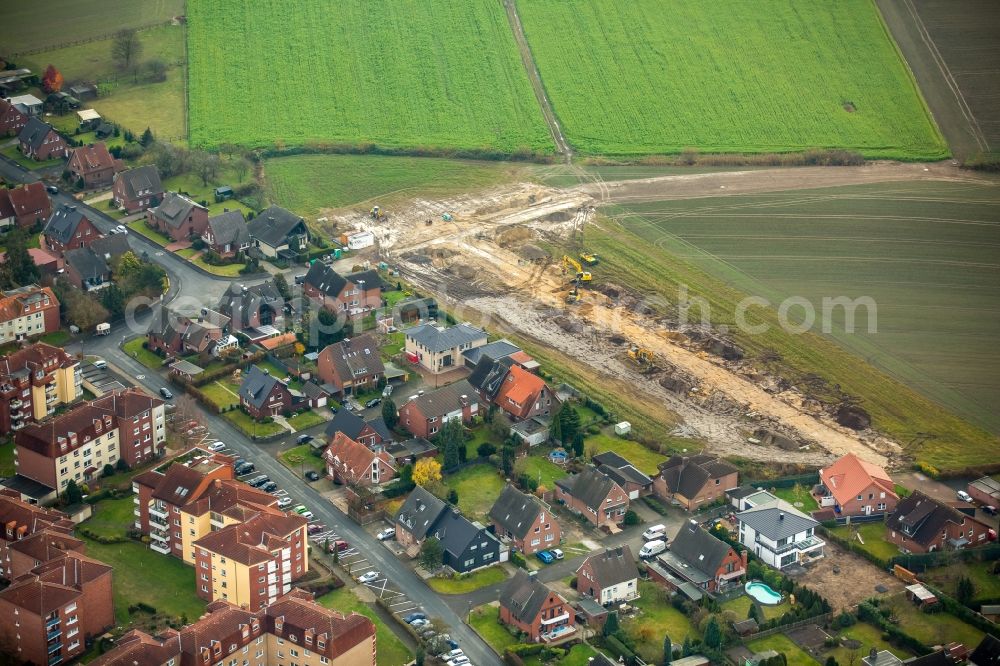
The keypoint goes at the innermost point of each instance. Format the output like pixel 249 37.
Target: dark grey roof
pixel 313 390
pixel 29 487
pixel 239 302
pixel 741 492
pixel 370 279
pixel 419 512
pixel 174 209
pixel 34 132
pixel 591 486
pixel 87 264
pixel 274 225
pixel 445 399
pixel 456 532
pixel 111 246
pixel 515 512
pixel 495 350
pixel 229 227
pixel 524 595
pixel 325 280
pixel 144 179
pixel 379 425
pixel 256 386
pixel 698 549
pixel 488 375
pixel 347 422
pixel 686 475
pixel 166 324
pixel 620 469
pixel 63 223
pixel 776 520
pixel 437 339
pixel 987 653
pixel 941 658
pixel 355 357
pixel 613 567
pixel 922 518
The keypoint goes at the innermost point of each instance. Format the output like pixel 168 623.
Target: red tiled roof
pixel 848 477
pixel 353 457
pixel 12 304
pixel 90 158
pixel 252 542
pixel 43 438
pixel 520 386
pixel 29 198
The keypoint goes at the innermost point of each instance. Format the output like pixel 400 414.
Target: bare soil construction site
pixel 485 256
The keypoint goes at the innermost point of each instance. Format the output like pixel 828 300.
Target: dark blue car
pixel 545 556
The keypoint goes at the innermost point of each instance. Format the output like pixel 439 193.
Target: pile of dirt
pixel 463 271
pixel 609 289
pixel 772 438
pixel 853 417
pixel 533 253
pixel 513 235
pixel 724 349
pixel 568 325
pixel 559 216
pixel 617 340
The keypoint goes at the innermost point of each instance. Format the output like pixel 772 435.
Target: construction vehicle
pixel 573 266
pixel 574 294
pixel 376 213
pixel 640 355
pixel 590 258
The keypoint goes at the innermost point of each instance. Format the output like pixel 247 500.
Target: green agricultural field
pixel 729 77
pixel 308 184
pixel 925 254
pixel 71 20
pixel 443 74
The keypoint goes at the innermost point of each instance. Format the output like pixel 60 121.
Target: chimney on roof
pixel 465 401
pixel 781 515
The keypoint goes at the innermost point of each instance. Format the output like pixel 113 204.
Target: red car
pixel 315 527
pixel 341 545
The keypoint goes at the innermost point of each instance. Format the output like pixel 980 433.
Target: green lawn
pixel 56 338
pixel 644 459
pixel 478 487
pixel 306 420
pixel 986 583
pixel 294 458
pixel 657 618
pixel 186 253
pixel 158 106
pixel 112 518
pixel 797 496
pixel 219 394
pixel 250 427
pixel 740 606
pixel 393 297
pixel 873 535
pixel 541 469
pixel 139 226
pixel 391 650
pixel 869 637
pixel 135 566
pixel 135 349
pixel 13 153
pixel 396 341
pixel 309 184
pixel 578 655
pixel 199 191
pixel 481 434
pixel 228 270
pixel 932 628
pixel 7 459
pixel 470 583
pixel 486 621
pixel 781 643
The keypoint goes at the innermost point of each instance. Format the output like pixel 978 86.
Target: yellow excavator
pixel 573 266
pixel 640 355
pixel 574 294
pixel 590 258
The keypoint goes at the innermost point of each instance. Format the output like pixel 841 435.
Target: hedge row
pixel 870 613
pixel 964 613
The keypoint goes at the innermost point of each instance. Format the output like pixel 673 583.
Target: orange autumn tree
pixel 52 82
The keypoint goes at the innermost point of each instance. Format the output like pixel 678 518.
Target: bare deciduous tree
pixel 126 49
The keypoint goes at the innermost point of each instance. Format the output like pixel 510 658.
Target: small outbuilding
pixel 623 428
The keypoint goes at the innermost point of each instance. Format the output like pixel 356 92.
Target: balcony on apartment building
pixel 15 403
pixel 159 511
pixel 159 548
pixel 810 543
pixel 55 659
pixel 216 521
pixel 160 535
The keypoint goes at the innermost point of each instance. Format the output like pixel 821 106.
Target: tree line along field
pixel 395 73
pixel 742 76
pixel 924 252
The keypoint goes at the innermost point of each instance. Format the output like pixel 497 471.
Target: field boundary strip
pixel 88 40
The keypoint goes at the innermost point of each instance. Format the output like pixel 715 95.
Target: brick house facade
pixel 41 142
pixel 525 520
pixel 593 495
pixel 425 415
pixel 922 524
pixel 12 121
pixel 94 165
pixel 854 487
pixel 529 606
pixel 352 295
pixel 609 577
pixel 692 481
pixel 27 205
pixel 137 189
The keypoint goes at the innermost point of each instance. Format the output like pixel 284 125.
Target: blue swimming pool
pixel 763 593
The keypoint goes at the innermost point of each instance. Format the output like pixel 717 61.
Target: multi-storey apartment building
pixel 33 382
pixel 142 424
pixel 26 312
pixel 19 521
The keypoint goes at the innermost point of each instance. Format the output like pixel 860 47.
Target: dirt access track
pixel 484 265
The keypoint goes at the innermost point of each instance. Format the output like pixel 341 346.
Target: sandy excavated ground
pixel 484 261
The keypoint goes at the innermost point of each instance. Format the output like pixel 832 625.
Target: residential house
pixel 47 544
pixel 494 350
pixel 779 534
pixel 922 524
pixel 178 217
pixel 625 474
pixel 19 521
pixel 137 190
pixel 34 381
pixel 262 395
pixel 467 545
pixel 89 268
pixel 854 487
pixel 26 312
pixel 94 165
pixel 142 424
pixel 524 395
pixel 352 295
pixel 227 234
pixel 252 307
pixel 528 605
pixel 439 349
pixel 69 228
pixel 352 463
pixel 411 450
pixel 294 626
pixel 276 232
pixel 525 520
pixel 191 499
pixel 701 559
pixel 594 495
pixel 41 142
pixel 166 331
pixel 351 365
pixel 28 104
pixel 416 517
pixel 425 415
pixel 12 119
pixel 610 577
pixel 254 562
pixel 24 206
pixel 692 481
pixel 55 609
pixel 985 490
pixel 171 333
pixel 372 433
pixel 987 653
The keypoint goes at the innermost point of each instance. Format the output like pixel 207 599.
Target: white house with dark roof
pixel 440 349
pixel 779 534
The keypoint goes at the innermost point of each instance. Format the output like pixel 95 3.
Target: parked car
pixel 284 501
pixel 300 509
pixel 557 553
pixel 654 532
pixel 121 229
pixel 244 468
pixel 458 661
pixel 545 556
pixel 52 189
pixel 315 527
pixel 652 549
pixel 100 364
pixel 387 391
pixel 453 654
pixel 308 515
pixel 374 402
pixel 964 496
pixel 416 624
pixel 341 545
pixel 368 577
pixel 990 509
pixel 312 476
pixel 216 446
pixel 386 534
pixel 302 439
pixel 258 481
pixel 414 616
pixel 164 391
pixel 269 487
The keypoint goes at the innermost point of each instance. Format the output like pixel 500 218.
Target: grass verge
pixel 250 427
pixel 301 456
pixel 135 349
pixel 391 650
pixel 470 583
pixel 486 621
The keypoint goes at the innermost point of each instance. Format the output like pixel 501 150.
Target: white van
pixel 964 496
pixel 652 549
pixel 655 532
